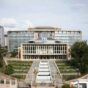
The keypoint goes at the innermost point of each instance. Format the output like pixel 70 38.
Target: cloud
pixel 11 24
pixel 8 22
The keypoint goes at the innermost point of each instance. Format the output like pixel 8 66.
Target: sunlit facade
pixel 43 51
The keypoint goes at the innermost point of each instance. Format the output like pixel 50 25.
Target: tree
pixel 79 53
pixel 9 70
pixel 1 56
pixel 14 53
pixel 3 52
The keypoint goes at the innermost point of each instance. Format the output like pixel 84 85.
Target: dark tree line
pixel 3 52
pixel 79 53
pixel 7 69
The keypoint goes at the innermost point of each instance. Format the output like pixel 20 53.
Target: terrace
pixel 67 71
pixel 21 68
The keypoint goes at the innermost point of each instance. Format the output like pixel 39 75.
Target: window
pixel 7 81
pixel 13 82
pixel 82 85
pixel 2 81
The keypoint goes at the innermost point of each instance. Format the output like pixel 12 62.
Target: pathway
pixel 57 80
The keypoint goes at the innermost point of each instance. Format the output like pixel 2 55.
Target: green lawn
pixel 68 72
pixel 21 68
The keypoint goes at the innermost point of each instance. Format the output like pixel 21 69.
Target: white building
pixel 7 81
pixel 2 40
pixel 80 83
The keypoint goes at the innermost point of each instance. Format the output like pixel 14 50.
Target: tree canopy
pixel 66 86
pixel 79 53
pixel 9 70
pixel 1 56
pixel 14 53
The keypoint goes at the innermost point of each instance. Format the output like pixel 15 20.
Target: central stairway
pixel 44 73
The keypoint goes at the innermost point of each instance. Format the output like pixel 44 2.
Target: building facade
pixel 68 37
pixel 2 41
pixel 43 42
pixel 43 51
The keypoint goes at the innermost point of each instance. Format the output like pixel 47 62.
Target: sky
pixel 66 14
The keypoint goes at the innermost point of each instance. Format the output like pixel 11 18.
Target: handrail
pixel 58 70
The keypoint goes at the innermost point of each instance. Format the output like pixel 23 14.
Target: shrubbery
pixel 9 70
pixel 66 86
pixel 79 53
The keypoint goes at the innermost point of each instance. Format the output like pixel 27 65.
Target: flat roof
pixel 17 31
pixel 44 44
pixel 4 76
pixel 44 29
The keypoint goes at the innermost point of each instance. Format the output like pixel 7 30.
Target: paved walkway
pixel 57 80
pixel 30 77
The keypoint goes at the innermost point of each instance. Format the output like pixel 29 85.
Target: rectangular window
pixel 13 82
pixel 7 81
pixel 2 81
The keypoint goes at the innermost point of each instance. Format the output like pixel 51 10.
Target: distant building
pixel 2 40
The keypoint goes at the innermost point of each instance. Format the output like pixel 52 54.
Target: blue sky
pixel 67 14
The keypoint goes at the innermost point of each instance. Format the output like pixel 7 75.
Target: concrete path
pixel 30 77
pixel 57 80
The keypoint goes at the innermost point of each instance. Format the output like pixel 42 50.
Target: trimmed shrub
pixel 66 86
pixel 9 70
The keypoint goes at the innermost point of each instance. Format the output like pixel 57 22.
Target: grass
pixel 19 76
pixel 21 68
pixel 68 72
pixel 1 69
